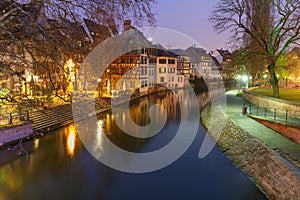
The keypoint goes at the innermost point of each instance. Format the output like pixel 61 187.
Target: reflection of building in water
pixel 140 112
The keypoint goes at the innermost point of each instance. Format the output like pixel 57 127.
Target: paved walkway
pixel 271 138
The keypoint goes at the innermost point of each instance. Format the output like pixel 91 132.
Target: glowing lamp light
pixel 239 77
pixel 265 76
pixel 28 78
pixel 70 64
pixel 244 78
pixel 35 78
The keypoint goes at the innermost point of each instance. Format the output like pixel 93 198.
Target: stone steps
pixel 58 116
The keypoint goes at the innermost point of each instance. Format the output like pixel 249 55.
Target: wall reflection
pixel 99 142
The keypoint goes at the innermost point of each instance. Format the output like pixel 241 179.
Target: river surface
pixel 57 166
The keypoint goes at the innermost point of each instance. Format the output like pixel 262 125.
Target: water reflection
pixel 100 132
pixel 60 167
pixel 71 140
pixel 36 143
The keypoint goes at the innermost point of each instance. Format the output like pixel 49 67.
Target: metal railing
pixel 277 114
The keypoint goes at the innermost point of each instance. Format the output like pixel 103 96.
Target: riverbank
pixel 11 134
pixel 256 159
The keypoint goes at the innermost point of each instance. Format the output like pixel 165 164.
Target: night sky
pixel 190 17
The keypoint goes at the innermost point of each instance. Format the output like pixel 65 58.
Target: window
pixel 143 71
pixel 144 84
pixel 132 84
pixel 171 61
pixel 162 79
pixel 143 60
pixel 152 60
pixel 162 70
pixel 162 61
pixel 171 70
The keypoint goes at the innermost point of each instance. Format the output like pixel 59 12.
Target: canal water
pixel 58 166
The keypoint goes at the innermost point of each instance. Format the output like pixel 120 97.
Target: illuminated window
pixel 162 70
pixel 171 70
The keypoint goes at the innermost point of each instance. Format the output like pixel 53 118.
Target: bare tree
pixel 37 37
pixel 270 36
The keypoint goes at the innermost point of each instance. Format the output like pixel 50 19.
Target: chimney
pixel 127 25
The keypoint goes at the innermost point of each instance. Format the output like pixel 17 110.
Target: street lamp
pixel 265 76
pixel 245 80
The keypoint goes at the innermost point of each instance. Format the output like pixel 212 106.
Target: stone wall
pixel 289 131
pixel 16 132
pixel 270 103
pixel 254 158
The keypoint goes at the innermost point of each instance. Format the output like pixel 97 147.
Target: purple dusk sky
pixel 190 17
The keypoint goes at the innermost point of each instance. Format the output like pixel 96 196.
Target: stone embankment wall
pixel 287 130
pixel 254 158
pixel 293 108
pixel 14 133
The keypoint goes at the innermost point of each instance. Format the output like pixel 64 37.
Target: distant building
pixel 141 70
pixel 222 58
pixel 166 70
pixel 183 62
pixel 201 62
